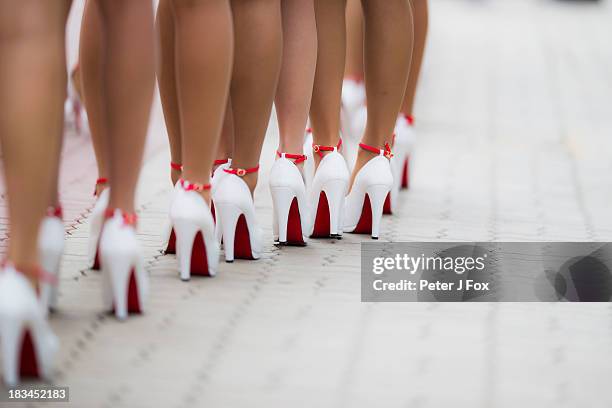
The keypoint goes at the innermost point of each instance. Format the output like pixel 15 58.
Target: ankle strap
pixel 219 162
pixel 128 218
pixel 299 158
pixel 176 166
pixel 99 181
pixel 55 212
pixel 319 149
pixel 241 172
pixel 187 186
pixel 383 152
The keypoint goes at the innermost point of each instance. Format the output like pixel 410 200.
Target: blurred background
pixel 514 122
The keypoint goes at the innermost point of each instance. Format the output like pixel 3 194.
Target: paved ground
pixel 514 144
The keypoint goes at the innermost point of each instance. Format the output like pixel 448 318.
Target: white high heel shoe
pixel 363 207
pixel 168 235
pixel 196 247
pixel 402 147
pixel 126 282
pixel 353 95
pixel 235 215
pixel 291 217
pixel 217 175
pixel 326 190
pixel 95 227
pixel 28 344
pixel 50 249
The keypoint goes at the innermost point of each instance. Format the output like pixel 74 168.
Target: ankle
pixel 198 185
pixel 175 175
pixel 251 181
pixel 101 185
pixel 30 270
pixel 248 173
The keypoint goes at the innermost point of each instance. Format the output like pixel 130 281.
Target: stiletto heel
pixel 227 216
pixel 51 248
pixel 377 195
pixel 403 141
pixel 335 191
pixel 289 200
pixel 364 204
pixel 126 282
pixel 95 226
pixel 28 344
pixel 12 334
pixel 215 179
pixel 196 246
pixel 326 192
pixel 236 217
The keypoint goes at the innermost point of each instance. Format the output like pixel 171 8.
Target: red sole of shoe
pixel 294 226
pixel 96 264
pixel 242 240
pixel 406 173
pixel 387 205
pixel 171 248
pixel 133 299
pixel 364 226
pixel 199 259
pixel 322 225
pixel 28 364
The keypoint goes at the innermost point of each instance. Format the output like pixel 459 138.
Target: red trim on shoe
pixel 99 181
pixel 355 78
pixel 299 158
pixel 383 152
pixel 241 172
pixel 319 149
pixel 55 212
pixel 176 166
pixel 188 186
pixel 219 162
pixel 409 119
pixel 130 219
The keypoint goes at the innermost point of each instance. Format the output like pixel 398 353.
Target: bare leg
pixel 90 63
pixel 166 76
pixel 225 148
pixel 32 94
pixel 297 73
pixel 421 17
pixel 204 63
pixel 128 91
pixel 257 61
pixel 326 96
pixel 388 48
pixel 354 40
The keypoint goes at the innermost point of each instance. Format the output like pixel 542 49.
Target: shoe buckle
pixel 316 148
pixel 240 172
